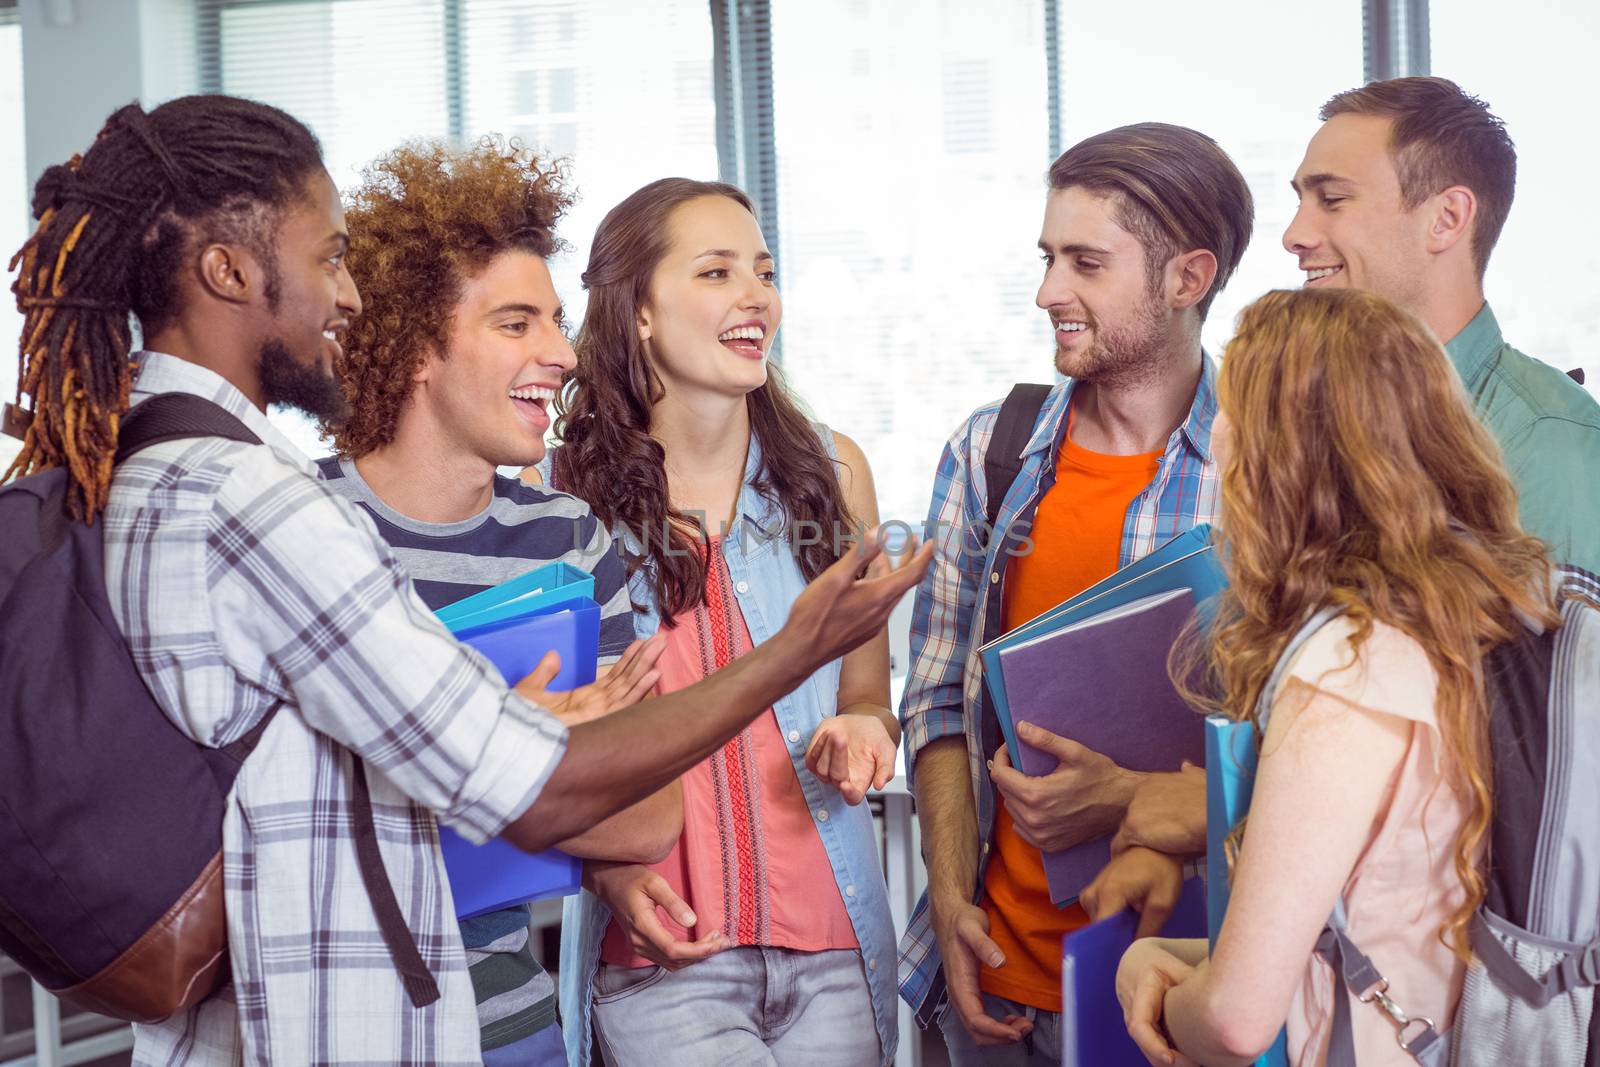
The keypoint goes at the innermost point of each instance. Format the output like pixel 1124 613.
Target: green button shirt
pixel 1549 429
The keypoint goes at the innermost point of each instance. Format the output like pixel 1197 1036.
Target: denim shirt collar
pixel 1194 432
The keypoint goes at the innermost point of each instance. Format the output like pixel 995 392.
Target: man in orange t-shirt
pixel 1143 226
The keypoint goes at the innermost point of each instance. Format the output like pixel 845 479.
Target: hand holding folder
pixel 1102 683
pixel 1092 1030
pixel 554 612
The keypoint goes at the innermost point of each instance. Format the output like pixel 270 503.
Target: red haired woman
pixel 1354 475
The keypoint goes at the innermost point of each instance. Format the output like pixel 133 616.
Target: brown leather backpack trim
pixel 180 960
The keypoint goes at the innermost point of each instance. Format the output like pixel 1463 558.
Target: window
pixel 1542 275
pixel 911 184
pixel 622 89
pixel 912 177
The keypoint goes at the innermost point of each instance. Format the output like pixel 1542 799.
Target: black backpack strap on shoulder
pixel 414 974
pixel 1002 461
pixel 175 417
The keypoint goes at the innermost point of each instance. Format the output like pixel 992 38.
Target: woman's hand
pixel 1147 971
pixel 852 752
pixel 634 894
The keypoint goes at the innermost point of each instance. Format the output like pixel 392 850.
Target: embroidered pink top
pixel 1404 886
pixel 749 862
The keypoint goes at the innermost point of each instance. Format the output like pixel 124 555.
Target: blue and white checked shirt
pixel 944 687
pixel 241 582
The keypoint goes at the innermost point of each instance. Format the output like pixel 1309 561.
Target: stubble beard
pixel 1128 354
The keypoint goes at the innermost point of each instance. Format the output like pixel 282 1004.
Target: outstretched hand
pixel 624 683
pixel 842 608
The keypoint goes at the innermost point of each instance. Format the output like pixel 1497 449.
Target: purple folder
pixel 1103 683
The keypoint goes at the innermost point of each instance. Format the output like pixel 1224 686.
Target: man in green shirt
pixel 1403 192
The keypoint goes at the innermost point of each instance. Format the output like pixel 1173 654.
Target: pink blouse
pixel 1404 886
pixel 749 862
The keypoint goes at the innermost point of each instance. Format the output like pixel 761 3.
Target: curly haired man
pixel 448 376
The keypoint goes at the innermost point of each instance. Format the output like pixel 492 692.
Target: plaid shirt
pixel 242 582
pixel 943 694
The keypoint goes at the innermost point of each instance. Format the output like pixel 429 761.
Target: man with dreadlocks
pixel 246 587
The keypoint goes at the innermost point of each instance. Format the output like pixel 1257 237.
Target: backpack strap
pixel 1002 460
pixel 414 974
pixel 176 417
pixel 1307 630
pixel 1416 1034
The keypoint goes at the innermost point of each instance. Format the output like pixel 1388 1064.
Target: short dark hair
pixel 1176 190
pixel 426 219
pixel 115 224
pixel 1442 136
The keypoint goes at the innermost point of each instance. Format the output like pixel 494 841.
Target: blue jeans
pixel 1039 1048
pixel 745 1007
pixel 542 1049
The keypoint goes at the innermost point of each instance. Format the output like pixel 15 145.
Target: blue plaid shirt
pixel 943 695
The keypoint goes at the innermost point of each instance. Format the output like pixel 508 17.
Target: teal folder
pixel 1230 779
pixel 1186 561
pixel 526 595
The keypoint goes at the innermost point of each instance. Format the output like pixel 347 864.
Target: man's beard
pixel 287 381
pixel 1121 356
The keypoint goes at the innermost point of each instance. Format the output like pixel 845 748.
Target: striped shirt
pixel 242 583
pixel 943 694
pixel 522 528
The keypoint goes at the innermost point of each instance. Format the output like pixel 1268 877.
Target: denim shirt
pixel 766 581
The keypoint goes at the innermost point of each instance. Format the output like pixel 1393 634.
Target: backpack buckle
pixel 1589 964
pixel 1417 1026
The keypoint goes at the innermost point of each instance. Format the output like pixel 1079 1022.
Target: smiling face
pixel 1096 289
pixel 310 299
pixel 491 389
pixel 712 308
pixel 1352 229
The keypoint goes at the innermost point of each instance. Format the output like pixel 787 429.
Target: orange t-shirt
pixel 1077 534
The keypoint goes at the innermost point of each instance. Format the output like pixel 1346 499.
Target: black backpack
pixel 111 889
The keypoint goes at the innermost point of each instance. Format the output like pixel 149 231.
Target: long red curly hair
pixel 1359 476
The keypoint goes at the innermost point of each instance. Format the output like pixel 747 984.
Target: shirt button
pixel 743 587
pixel 994 576
pixel 822 814
pixel 794 736
pixel 849 890
pixel 872 964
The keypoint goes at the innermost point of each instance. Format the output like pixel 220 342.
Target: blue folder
pixel 1230 779
pixel 1092 1031
pixel 1186 561
pixel 530 594
pixel 497 874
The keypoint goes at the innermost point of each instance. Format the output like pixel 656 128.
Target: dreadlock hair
pixel 115 225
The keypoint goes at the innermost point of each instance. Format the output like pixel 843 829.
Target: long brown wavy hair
pixel 1359 476
pixel 607 456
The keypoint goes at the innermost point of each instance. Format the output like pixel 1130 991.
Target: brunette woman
pixel 680 434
